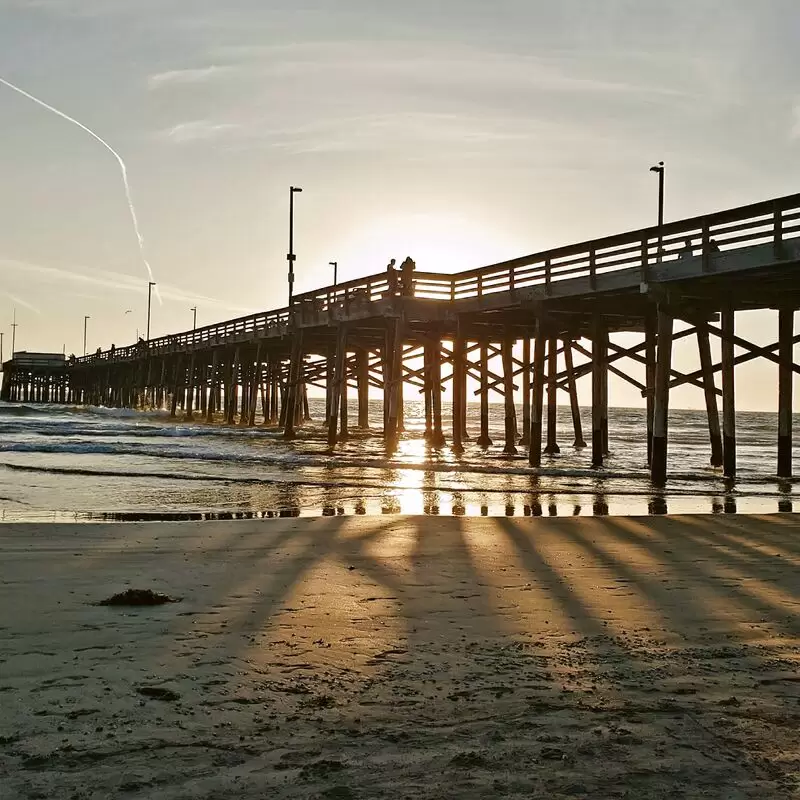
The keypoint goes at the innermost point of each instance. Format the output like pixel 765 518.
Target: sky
pixel 460 132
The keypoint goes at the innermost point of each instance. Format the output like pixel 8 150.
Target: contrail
pixel 113 152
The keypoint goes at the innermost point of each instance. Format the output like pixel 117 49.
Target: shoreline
pixel 404 656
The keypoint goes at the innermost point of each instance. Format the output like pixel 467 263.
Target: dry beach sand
pixel 397 657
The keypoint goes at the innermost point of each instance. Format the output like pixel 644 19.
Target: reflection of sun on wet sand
pixel 404 657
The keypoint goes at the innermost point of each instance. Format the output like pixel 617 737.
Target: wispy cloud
pixel 186 76
pixel 20 302
pixel 106 279
pixel 198 130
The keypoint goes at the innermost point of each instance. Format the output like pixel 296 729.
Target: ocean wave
pixel 13 410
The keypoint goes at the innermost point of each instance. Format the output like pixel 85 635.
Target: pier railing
pixel 770 222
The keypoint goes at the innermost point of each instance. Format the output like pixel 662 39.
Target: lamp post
pixel 659 169
pixel 14 334
pixel 1 350
pixel 85 320
pixel 150 285
pixel 335 265
pixel 193 309
pixel 290 257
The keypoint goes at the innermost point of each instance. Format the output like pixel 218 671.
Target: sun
pixel 438 242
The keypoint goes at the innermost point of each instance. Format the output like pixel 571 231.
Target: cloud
pixel 185 76
pixel 199 130
pixel 20 302
pixel 109 280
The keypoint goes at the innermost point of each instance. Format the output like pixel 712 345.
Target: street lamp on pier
pixel 659 169
pixel 291 257
pixel 193 309
pixel 335 265
pixel 85 320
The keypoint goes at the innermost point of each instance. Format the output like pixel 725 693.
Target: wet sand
pixel 395 657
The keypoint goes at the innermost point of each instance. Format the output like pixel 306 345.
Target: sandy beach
pixel 396 657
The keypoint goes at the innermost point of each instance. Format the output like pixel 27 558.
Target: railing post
pixel 592 270
pixel 511 279
pixel 777 243
pixel 548 278
pixel 480 285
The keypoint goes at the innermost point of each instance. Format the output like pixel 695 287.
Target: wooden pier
pixel 565 305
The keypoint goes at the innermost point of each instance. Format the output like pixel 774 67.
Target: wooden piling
pixel 599 358
pixel 293 387
pixel 344 426
pixel 710 393
pixel 255 384
pixel 190 389
pixel 427 389
pixel 483 439
pixel 212 391
pixel 658 465
pixel 785 380
pixel 394 341
pixel 650 337
pixel 437 439
pixel 362 377
pixel 728 399
pixel 458 392
pixel 338 378
pixel 526 391
pixel 537 404
pixel 509 446
pixel 552 406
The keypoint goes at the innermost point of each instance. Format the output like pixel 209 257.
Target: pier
pixel 560 306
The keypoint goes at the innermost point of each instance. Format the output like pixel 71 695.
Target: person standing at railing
pixel 687 251
pixel 407 276
pixel 391 278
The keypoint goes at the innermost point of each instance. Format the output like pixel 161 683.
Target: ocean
pixel 82 464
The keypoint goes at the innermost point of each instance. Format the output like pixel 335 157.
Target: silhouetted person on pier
pixel 407 276
pixel 687 252
pixel 112 351
pixel 713 247
pixel 391 278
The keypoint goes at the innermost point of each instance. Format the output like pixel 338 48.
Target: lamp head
pixel 333 263
pixel 659 168
pixel 295 189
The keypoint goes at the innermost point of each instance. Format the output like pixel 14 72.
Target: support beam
pixel 509 447
pixel 650 338
pixel 658 464
pixel 552 386
pixel 526 391
pixel 428 391
pixel 458 393
pixel 706 364
pixel 785 352
pixel 338 380
pixel 293 387
pixel 483 438
pixel 437 439
pixel 537 404
pixel 362 371
pixel 600 356
pixel 394 341
pixel 728 398
pixel 573 396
